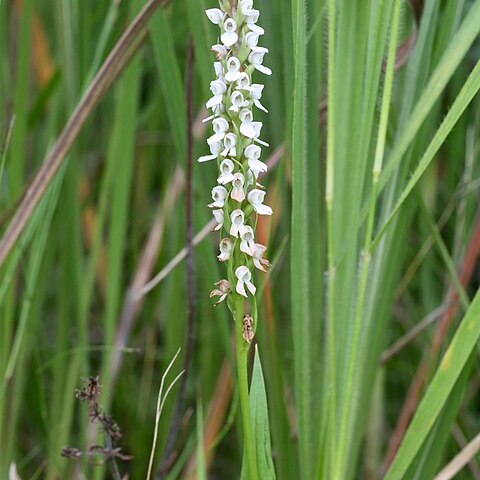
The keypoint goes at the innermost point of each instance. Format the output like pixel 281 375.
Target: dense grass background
pixel 374 186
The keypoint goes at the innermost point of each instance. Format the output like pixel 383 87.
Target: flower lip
pixel 247 244
pixel 230 36
pixel 237 218
pixel 238 192
pixel 244 279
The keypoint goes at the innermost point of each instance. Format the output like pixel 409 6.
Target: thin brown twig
pixel 460 460
pixel 172 436
pixel 133 302
pixel 108 73
pixel 418 328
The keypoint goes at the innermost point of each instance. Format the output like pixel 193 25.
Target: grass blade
pixel 452 365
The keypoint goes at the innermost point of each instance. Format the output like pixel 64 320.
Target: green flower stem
pixel 242 357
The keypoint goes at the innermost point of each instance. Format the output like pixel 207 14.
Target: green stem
pixel 242 358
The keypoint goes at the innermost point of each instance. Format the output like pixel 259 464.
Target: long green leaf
pixel 450 369
pixel 302 252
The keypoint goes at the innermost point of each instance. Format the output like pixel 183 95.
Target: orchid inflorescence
pixel 235 144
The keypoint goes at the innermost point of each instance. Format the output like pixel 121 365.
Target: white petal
pixel 261 142
pixel 215 100
pixel 258 165
pixel 263 209
pixel 263 69
pixel 234 230
pixel 257 264
pixel 240 288
pixel 256 28
pixel 251 287
pixel 260 106
pixel 238 194
pixel 225 178
pixel 247 129
pixel 215 15
pixel 206 158
pixel 211 117
pixel 232 76
pixel 229 38
pixel 216 137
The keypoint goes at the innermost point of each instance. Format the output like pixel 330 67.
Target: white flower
pixel 256 197
pixel 244 278
pixel 219 194
pixel 251 39
pixel 229 142
pixel 246 6
pixel 251 18
pixel 238 101
pixel 252 153
pixel 219 218
pixel 221 291
pixel 226 172
pixel 258 259
pixel 218 88
pixel 248 127
pixel 243 82
pixel 215 149
pixel 233 69
pixel 238 192
pixel 256 59
pixel 247 245
pixel 229 37
pixel 226 247
pixel 220 51
pixel 237 218
pixel 220 127
pixel 215 15
pixel 256 94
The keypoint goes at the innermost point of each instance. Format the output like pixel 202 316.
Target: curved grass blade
pixel 448 65
pixel 466 95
